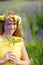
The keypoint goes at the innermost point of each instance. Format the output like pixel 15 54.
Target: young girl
pixel 12 48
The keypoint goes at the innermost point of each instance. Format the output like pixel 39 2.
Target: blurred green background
pixel 31 12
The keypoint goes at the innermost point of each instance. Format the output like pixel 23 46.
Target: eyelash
pixel 10 23
pixel 14 23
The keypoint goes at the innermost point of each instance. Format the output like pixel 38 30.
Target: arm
pixel 1 62
pixel 25 59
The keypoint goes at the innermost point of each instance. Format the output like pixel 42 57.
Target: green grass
pixel 35 52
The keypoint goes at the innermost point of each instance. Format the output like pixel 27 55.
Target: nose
pixel 12 26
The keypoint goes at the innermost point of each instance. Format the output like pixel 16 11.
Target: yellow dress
pixel 14 47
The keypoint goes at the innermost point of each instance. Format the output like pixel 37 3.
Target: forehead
pixel 9 23
pixel 9 20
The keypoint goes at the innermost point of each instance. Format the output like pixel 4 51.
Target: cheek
pixel 15 27
pixel 7 28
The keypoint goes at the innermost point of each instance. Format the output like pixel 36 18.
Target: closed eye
pixel 8 23
pixel 11 23
pixel 14 23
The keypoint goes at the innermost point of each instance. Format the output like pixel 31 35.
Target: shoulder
pixel 1 39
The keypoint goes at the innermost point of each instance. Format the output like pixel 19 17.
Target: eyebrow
pixel 10 23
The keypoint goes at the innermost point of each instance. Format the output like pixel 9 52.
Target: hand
pixel 13 58
pixel 6 58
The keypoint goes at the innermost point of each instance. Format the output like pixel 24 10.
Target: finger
pixel 9 52
pixel 12 54
pixel 13 57
pixel 13 60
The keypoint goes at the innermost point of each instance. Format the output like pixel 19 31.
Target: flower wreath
pixel 11 16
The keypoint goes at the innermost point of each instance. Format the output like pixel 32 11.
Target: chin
pixel 12 33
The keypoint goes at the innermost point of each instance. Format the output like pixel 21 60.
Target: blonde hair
pixel 19 31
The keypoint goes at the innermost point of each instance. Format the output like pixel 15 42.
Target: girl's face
pixel 10 27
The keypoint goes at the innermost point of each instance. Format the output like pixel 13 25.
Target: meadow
pixel 32 22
